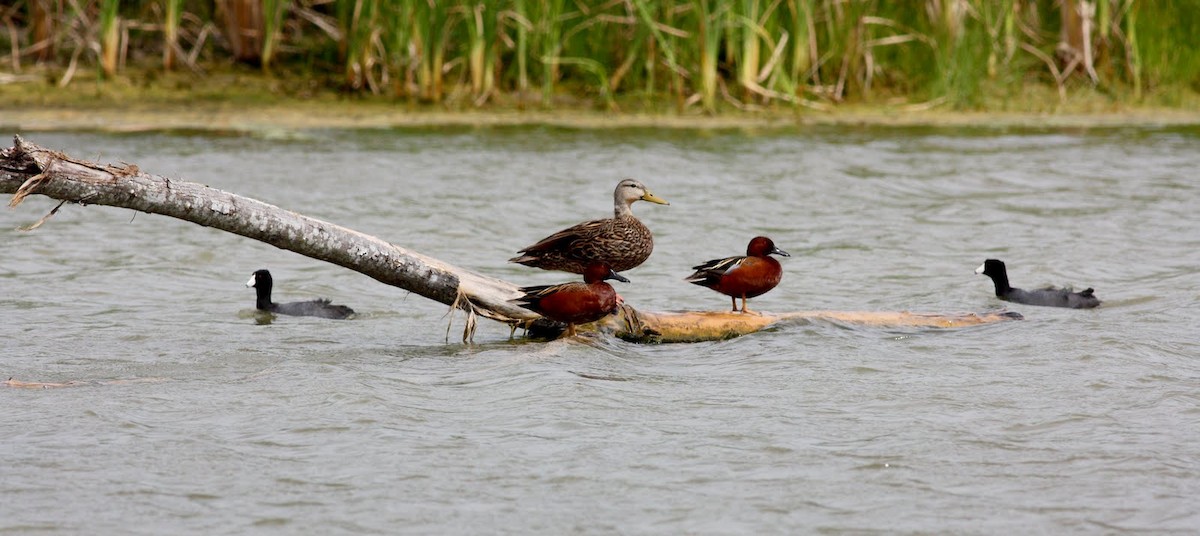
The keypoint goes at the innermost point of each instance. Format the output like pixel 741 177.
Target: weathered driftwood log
pixel 27 169
pixel 697 326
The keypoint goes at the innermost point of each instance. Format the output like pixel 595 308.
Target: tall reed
pixel 658 19
pixel 1160 59
pixel 361 36
pixel 519 15
pixel 397 18
pixel 482 24
pixel 1135 57
pixel 548 38
pixel 431 32
pixel 43 22
pixel 708 28
pixel 243 26
pixel 747 29
pixel 273 13
pixel 798 19
pixel 110 35
pixel 172 11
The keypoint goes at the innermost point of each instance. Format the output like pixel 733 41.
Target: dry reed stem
pixel 1087 12
pixel 15 49
pixel 70 72
pixel 39 223
pixel 1058 78
pixel 463 302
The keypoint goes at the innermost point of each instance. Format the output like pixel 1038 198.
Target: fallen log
pixel 27 169
pixel 697 326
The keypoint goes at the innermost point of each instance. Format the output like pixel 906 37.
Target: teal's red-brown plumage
pixel 575 303
pixel 748 276
pixel 622 242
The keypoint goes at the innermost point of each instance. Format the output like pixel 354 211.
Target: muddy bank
pixel 246 103
pixel 300 115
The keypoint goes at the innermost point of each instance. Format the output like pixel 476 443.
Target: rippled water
pixel 192 416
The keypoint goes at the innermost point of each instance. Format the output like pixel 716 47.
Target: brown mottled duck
pixel 621 242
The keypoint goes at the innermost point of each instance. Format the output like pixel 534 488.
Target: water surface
pixel 195 416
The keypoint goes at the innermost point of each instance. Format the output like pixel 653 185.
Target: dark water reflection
pixel 1071 421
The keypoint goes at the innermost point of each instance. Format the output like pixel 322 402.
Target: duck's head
pixel 630 190
pixel 761 246
pixel 598 271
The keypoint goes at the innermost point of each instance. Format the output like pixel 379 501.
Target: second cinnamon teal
pixel 745 276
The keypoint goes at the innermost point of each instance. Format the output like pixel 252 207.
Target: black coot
pixel 262 283
pixel 1049 296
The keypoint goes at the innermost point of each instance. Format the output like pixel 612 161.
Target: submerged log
pixel 27 169
pixel 18 384
pixel 697 326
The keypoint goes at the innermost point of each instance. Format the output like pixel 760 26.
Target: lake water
pixel 194 416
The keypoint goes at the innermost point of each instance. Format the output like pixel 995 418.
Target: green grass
pixel 1166 62
pixel 109 35
pixel 701 54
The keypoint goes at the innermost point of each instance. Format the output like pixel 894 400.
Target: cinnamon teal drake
pixel 262 282
pixel 575 303
pixel 742 277
pixel 622 242
pixel 1048 297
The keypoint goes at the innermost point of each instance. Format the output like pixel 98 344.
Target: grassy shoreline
pixel 253 103
pixel 187 63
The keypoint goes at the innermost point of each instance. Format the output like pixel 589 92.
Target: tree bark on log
pixel 27 169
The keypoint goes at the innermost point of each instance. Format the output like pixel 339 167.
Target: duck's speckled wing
pixel 621 243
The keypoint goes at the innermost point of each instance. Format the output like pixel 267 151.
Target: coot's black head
pixel 262 283
pixel 992 268
pixel 260 279
pixel 995 270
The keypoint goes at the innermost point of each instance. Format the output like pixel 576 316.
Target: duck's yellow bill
pixel 654 198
